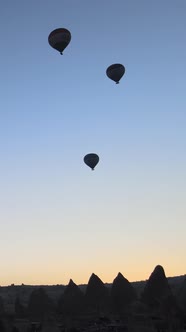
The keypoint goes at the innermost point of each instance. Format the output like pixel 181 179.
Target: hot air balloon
pixel 115 72
pixel 91 160
pixel 59 39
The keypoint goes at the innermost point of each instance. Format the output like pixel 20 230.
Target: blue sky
pixel 59 220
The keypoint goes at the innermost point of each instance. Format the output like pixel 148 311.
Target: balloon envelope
pixel 91 160
pixel 115 72
pixel 59 39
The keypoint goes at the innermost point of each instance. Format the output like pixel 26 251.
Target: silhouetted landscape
pixel 157 304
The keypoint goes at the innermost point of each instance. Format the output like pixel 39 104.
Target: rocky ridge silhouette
pixel 102 299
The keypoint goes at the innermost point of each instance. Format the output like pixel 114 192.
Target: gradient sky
pixel 59 220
